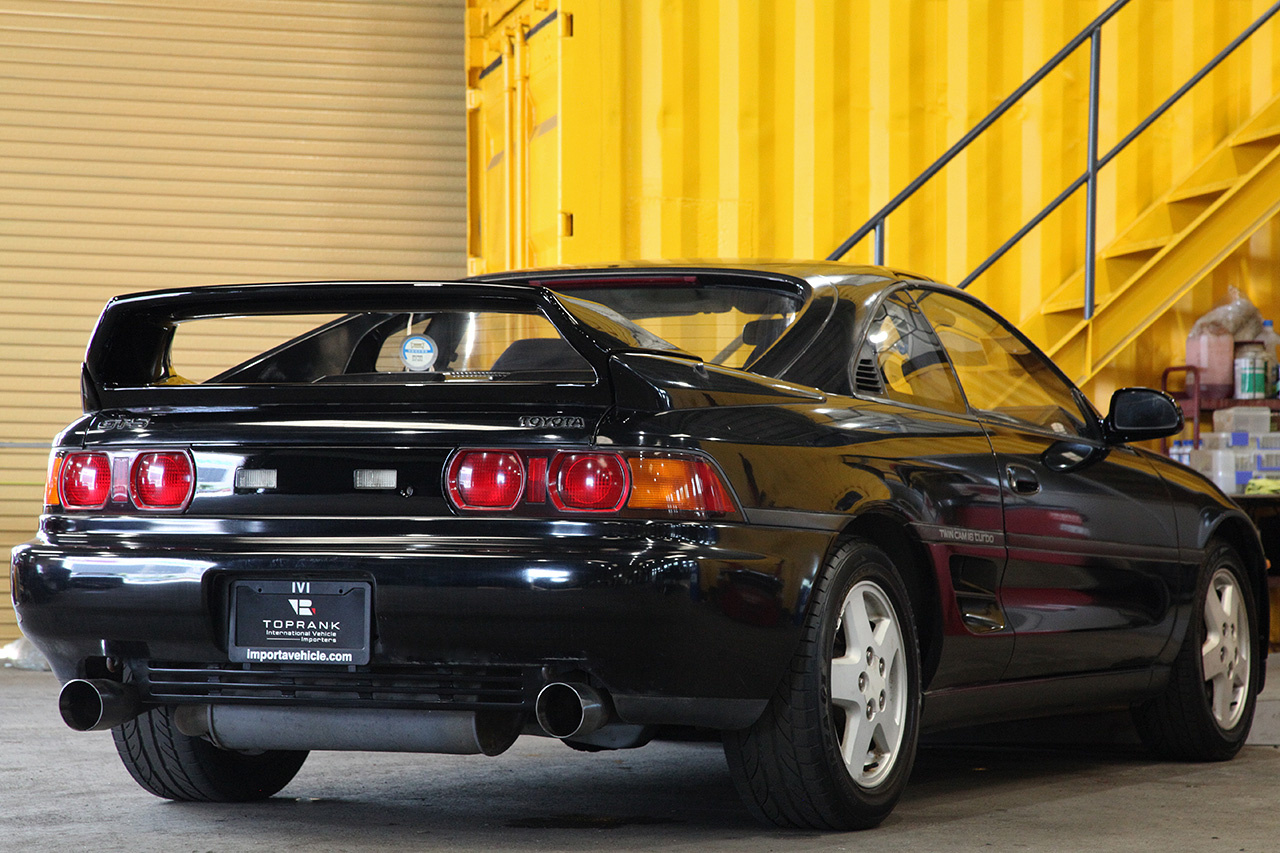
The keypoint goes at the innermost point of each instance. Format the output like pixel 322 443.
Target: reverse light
pixel 84 480
pixel 486 479
pixel 162 480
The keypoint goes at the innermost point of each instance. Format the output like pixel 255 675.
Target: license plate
pixel 306 622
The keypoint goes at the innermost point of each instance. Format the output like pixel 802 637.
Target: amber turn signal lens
pixel 677 485
pixel 51 480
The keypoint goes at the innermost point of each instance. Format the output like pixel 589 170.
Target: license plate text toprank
pixel 300 625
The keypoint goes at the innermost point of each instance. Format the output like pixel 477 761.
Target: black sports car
pixel 818 508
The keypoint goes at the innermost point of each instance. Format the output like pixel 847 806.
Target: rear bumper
pixel 683 623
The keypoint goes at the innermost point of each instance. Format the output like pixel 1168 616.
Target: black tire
pixel 175 766
pixel 1203 717
pixel 788 767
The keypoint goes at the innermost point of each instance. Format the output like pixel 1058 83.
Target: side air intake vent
pixel 866 377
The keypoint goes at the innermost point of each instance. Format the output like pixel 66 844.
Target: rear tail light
pixel 677 485
pixel 84 480
pixel 486 479
pixel 591 482
pixel 52 478
pixel 162 480
pixel 635 484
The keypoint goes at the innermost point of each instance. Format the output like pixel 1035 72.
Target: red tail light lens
pixel 84 481
pixel 486 479
pixel 541 483
pixel 162 480
pixel 592 482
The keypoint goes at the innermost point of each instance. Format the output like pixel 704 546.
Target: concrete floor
pixel 66 791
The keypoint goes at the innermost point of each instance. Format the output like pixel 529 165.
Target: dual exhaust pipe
pixel 563 710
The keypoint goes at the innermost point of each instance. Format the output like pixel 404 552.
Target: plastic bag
pixel 1237 317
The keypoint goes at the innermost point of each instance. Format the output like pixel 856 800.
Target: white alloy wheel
pixel 834 747
pixel 1205 710
pixel 868 684
pixel 1225 652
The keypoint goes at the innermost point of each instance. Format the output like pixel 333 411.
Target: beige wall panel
pixel 167 144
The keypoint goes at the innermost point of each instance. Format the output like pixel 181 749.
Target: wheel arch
pixel 891 532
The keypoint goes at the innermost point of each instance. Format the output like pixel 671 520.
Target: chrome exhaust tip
pixel 95 704
pixel 568 710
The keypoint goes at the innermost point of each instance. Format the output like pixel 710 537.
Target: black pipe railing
pixel 876 222
pixel 1093 34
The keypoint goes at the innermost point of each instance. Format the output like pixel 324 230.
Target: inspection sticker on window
pixel 418 353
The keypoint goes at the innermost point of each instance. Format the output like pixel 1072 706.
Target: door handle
pixel 1022 479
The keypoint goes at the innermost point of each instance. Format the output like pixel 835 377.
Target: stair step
pixel 1200 191
pixel 1138 247
pixel 1046 328
pixel 1257 134
pixel 1263 124
pixel 1113 275
pixel 1064 305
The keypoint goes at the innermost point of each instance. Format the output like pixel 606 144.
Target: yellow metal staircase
pixel 1125 287
pixel 1170 247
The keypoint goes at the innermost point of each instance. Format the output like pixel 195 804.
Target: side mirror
pixel 1139 414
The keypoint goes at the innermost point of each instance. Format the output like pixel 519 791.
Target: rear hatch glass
pixel 480 345
pixel 721 324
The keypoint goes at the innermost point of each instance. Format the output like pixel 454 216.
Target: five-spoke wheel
pixel 1207 708
pixel 1225 651
pixel 835 746
pixel 868 683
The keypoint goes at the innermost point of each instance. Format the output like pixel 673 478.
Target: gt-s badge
pixel 123 423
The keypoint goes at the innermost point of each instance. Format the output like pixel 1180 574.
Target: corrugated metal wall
pixel 180 142
pixel 717 128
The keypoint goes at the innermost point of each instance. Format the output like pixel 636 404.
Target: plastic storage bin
pixel 1229 468
pixel 1242 419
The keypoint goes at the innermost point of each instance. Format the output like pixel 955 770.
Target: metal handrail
pixel 877 221
pixel 1092 33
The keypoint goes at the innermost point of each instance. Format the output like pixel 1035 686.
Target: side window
pixel 1001 374
pixel 902 360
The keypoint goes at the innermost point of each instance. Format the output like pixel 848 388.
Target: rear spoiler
pixel 129 349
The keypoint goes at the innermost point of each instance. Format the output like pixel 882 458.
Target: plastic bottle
pixel 1212 353
pixel 1271 342
pixel 1251 369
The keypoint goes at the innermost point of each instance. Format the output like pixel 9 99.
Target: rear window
pixel 391 347
pixel 721 324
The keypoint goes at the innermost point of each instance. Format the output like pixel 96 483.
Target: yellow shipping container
pixel 600 130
